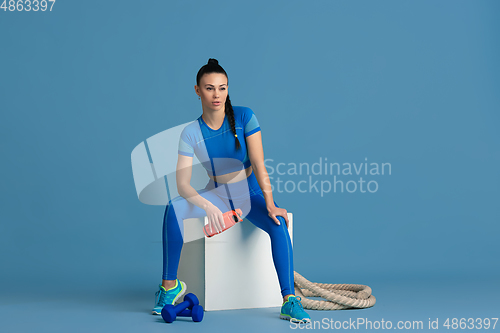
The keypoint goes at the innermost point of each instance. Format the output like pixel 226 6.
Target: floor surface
pixel 129 311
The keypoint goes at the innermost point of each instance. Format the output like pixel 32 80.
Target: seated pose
pixel 228 142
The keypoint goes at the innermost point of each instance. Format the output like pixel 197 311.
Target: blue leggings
pixel 247 196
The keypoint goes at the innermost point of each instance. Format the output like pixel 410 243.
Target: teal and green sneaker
pixel 164 296
pixel 292 310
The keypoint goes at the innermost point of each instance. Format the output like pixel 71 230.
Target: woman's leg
pixel 176 211
pixel 281 245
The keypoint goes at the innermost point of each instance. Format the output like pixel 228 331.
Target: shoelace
pixel 295 302
pixel 160 297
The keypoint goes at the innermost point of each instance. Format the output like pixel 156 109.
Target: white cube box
pixel 231 270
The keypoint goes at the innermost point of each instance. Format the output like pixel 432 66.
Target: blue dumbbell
pixel 196 313
pixel 170 312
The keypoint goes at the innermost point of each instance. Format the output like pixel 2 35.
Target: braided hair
pixel 213 67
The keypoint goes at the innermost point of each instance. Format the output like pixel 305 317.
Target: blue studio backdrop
pixel 393 106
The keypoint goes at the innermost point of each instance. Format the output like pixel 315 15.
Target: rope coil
pixel 338 296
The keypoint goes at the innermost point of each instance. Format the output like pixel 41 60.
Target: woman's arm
pixel 183 178
pixel 256 155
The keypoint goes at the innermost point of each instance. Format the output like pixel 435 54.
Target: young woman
pixel 227 141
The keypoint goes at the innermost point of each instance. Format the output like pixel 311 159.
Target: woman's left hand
pixel 276 211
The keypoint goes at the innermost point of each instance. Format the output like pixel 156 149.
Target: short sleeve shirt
pixel 216 148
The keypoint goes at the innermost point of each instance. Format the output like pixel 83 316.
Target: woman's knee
pixel 280 230
pixel 176 208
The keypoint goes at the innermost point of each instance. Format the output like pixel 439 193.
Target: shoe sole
pixel 179 295
pixel 295 320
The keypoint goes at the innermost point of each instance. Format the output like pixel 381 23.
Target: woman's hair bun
pixel 213 61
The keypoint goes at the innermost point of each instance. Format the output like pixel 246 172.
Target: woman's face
pixel 213 91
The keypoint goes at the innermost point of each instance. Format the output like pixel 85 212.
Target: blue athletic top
pixel 216 149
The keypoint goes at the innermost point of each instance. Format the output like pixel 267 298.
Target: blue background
pixel 410 83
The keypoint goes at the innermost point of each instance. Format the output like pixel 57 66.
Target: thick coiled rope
pixel 338 296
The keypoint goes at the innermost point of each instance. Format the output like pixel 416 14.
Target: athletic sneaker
pixel 292 310
pixel 169 296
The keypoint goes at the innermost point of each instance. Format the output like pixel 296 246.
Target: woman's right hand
pixel 215 218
